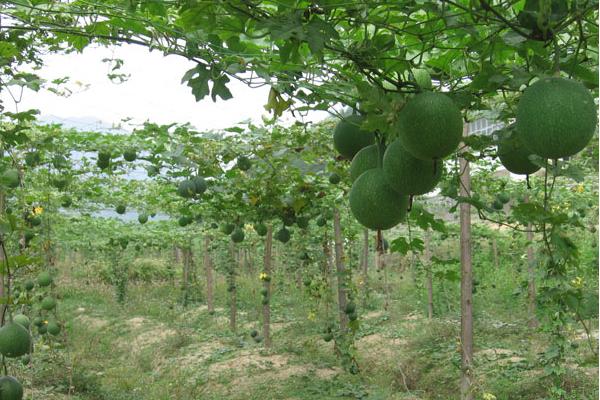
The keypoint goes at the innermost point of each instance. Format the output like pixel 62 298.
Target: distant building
pixel 484 126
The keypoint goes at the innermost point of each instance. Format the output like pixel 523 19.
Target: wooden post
pixel 299 271
pixel 365 266
pixel 192 265
pixel 246 263
pixel 328 255
pixel 251 262
pixel 341 270
pixel 429 273
pixel 531 306
pixel 2 277
pixel 466 283
pixel 327 268
pixel 209 276
pixel 233 310
pixel 495 252
pixel 381 267
pixel 275 260
pixel 386 284
pixel 266 309
pixel 377 259
pixel 186 275
pixel 232 289
pixel 177 254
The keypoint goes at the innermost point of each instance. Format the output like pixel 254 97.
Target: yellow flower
pixel 311 316
pixel 263 276
pixel 577 282
pixel 488 396
pixel 580 188
pixel 37 210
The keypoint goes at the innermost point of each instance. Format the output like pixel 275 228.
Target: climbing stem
pixel 556 66
pixel 8 276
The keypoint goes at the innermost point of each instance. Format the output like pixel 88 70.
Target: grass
pixel 151 348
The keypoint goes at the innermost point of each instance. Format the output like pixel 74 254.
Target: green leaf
pixel 588 76
pixel 8 50
pixel 384 42
pixel 569 170
pixel 285 26
pixel 318 34
pixel 79 42
pixel 564 245
pixel 30 81
pixel 6 225
pixel 220 89
pixel 20 261
pixel 426 220
pixel 403 246
pixel 155 7
pixel 234 44
pixel 235 129
pixel 15 135
pixel 289 51
pixel 513 38
pixel 450 275
pixel 199 82
pixel 572 299
pixel 200 16
pixel 531 212
pixel 449 261
pixel 589 306
pixel 475 202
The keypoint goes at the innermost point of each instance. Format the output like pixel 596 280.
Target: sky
pixel 153 92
